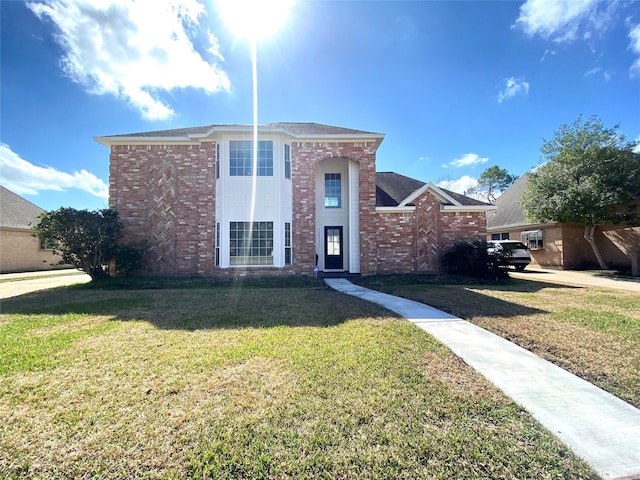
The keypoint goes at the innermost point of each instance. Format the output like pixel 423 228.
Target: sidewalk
pixel 14 284
pixel 570 277
pixel 597 426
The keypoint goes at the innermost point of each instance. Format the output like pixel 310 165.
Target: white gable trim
pixel 409 209
pixel 439 194
pixel 468 208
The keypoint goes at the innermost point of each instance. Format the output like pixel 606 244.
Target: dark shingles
pixel 16 212
pixel 462 199
pixel 392 188
pixel 509 212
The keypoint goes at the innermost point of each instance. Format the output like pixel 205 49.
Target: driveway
pixel 568 277
pixel 14 284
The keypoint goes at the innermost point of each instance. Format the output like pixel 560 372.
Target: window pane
pixel 265 158
pixel 333 241
pixel 332 190
pixel 240 158
pixel 287 244
pixel 287 161
pixel 254 244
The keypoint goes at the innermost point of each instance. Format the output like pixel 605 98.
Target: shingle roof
pixel 392 188
pixel 295 128
pixel 509 213
pixel 16 212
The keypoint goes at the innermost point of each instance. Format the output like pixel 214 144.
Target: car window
pixel 514 246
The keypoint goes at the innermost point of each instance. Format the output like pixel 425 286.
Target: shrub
pixel 128 260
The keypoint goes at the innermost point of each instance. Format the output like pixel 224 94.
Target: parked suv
pixel 512 252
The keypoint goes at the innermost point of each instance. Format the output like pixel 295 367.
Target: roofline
pixel 454 206
pixel 194 138
pixel 518 226
pixel 434 189
pixel 468 208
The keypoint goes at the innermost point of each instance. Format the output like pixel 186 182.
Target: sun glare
pixel 254 19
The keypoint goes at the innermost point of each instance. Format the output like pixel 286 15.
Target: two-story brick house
pixel 194 198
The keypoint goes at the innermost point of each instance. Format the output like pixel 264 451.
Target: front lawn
pixel 239 381
pixel 592 332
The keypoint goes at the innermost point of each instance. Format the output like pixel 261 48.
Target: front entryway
pixel 333 248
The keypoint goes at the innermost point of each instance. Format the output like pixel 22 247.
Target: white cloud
pixel 512 87
pixel 460 185
pixel 560 20
pixel 593 71
pixel 467 160
pixel 634 35
pixel 637 147
pixel 134 50
pixel 25 178
pixel 547 53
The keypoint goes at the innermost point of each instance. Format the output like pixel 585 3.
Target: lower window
pixel 251 243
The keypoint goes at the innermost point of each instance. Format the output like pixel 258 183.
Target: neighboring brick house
pixel 20 251
pixel 562 245
pixel 190 197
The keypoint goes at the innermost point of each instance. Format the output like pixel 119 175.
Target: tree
pixel 87 240
pixel 493 180
pixel 591 176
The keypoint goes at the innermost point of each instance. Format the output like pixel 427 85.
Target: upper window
pixel 287 161
pixel 332 190
pixel 241 158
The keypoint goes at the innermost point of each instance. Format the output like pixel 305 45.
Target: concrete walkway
pixel 597 426
pixel 571 277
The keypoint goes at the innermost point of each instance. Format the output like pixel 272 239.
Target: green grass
pixel 593 332
pixel 248 381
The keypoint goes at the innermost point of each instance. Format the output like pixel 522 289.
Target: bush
pixel 128 260
pixel 472 259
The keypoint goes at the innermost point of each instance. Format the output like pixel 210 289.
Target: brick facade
pixel 416 241
pixel 166 197
pixel 306 156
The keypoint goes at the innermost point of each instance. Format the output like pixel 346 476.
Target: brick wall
pixel 396 242
pixel 306 156
pixel 417 241
pixel 165 195
pixel 21 252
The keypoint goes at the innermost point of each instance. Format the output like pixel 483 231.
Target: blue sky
pixel 455 86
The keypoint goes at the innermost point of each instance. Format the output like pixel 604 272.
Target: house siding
pixel 566 248
pixel 306 156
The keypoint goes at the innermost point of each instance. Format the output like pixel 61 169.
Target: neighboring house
pixel 19 250
pixel 190 197
pixel 561 245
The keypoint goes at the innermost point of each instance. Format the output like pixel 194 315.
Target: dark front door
pixel 333 252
